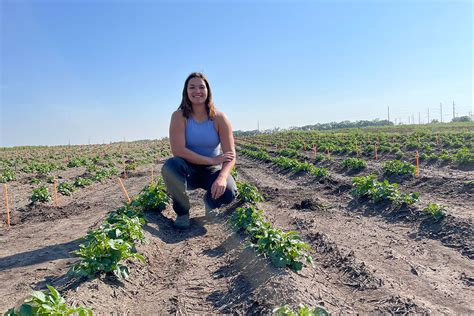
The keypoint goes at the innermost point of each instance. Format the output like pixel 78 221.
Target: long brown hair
pixel 186 105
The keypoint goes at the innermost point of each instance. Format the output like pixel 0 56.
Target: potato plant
pixel 47 303
pixel 295 165
pixel 40 194
pixel 66 188
pixel 303 310
pixel 82 182
pixel 104 254
pixel 464 156
pixel 354 164
pixel 7 175
pixel 381 191
pixel 437 211
pixel 283 249
pixel 153 197
pixel 248 193
pixel 399 168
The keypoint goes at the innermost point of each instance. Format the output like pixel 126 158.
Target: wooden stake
pixel 6 204
pixel 417 164
pixel 55 192
pixel 329 154
pixel 315 148
pixel 375 149
pixel 124 190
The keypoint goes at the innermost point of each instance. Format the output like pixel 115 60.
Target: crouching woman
pixel 198 133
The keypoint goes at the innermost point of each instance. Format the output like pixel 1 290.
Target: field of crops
pixel 376 220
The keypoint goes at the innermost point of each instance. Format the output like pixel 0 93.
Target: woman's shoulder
pixel 220 117
pixel 222 121
pixel 178 114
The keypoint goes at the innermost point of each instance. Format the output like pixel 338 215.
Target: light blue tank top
pixel 202 138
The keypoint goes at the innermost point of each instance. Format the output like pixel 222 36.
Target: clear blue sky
pixel 103 70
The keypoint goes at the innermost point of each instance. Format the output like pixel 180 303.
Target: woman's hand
pixel 225 157
pixel 218 187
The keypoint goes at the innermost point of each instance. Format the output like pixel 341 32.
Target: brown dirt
pixel 403 251
pixel 364 262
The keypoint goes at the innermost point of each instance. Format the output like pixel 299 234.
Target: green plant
pixel 303 310
pixel 248 193
pixel 399 154
pixel 397 167
pixel 354 164
pixel 103 254
pixel 77 162
pixel 283 249
pixel 131 166
pixel 296 166
pixel 7 175
pixel 47 303
pixel 66 188
pixel 437 211
pixel 40 194
pixel 35 180
pixel 153 197
pixel 82 182
pixel 233 173
pixel 381 191
pixel 464 156
pixel 123 226
pixel 102 174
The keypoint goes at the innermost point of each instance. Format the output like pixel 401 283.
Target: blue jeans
pixel 180 175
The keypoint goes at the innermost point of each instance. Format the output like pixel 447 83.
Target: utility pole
pixel 419 118
pixel 413 118
pixel 441 112
pixel 388 113
pixel 258 126
pixel 454 113
pixel 428 115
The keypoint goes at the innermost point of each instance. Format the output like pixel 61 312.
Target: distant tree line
pixel 320 127
pixel 462 119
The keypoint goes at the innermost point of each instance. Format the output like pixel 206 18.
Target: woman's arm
pixel 178 143
pixel 227 143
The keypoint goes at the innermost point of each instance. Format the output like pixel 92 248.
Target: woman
pixel 197 134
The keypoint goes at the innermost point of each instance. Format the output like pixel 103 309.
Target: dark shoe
pixel 182 221
pixel 209 212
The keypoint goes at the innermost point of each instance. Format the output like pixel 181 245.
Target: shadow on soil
pixel 249 276
pixel 41 255
pixel 168 233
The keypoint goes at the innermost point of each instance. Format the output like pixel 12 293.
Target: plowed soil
pixel 367 258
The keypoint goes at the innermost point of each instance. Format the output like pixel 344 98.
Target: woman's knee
pixel 229 195
pixel 173 166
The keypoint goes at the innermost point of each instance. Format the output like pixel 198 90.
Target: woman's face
pixel 197 91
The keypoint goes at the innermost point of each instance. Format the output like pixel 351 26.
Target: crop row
pixel 449 147
pixel 114 241
pixel 42 161
pixel 367 187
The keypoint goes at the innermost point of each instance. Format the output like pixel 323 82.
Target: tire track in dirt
pixel 422 269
